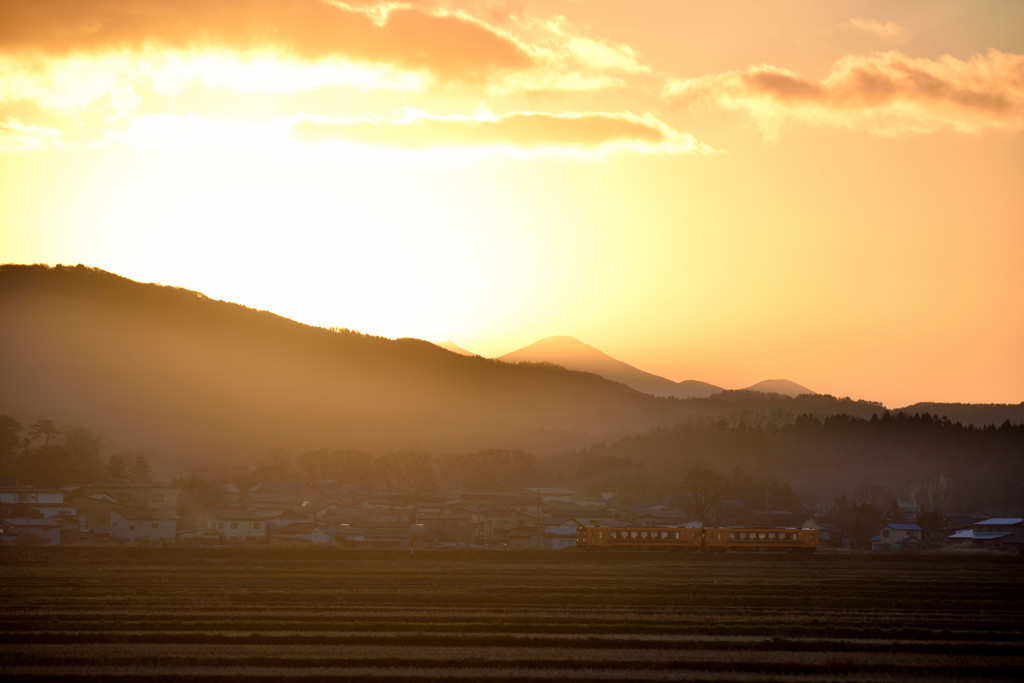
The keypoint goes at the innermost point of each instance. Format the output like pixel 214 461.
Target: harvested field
pixel 119 614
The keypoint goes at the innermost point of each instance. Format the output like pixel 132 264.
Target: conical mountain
pixel 780 386
pixel 573 354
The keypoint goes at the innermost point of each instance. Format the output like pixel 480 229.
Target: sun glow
pixel 835 200
pixel 290 228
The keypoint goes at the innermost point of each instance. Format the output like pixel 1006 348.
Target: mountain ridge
pixel 574 354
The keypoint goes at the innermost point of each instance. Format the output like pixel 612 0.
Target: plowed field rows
pixel 77 614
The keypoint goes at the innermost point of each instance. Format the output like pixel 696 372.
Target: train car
pixel 638 537
pixel 760 539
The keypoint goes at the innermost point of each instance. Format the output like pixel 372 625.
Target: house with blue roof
pixel 997 533
pixel 897 536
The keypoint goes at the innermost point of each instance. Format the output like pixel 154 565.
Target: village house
pixel 22 531
pixel 12 495
pixel 31 503
pixel 587 516
pixel 492 525
pixel 522 538
pixel 274 496
pixel 140 494
pixel 996 533
pixel 239 526
pixel 896 536
pixel 558 534
pixel 143 525
pixel 94 512
pixel 305 533
pixel 446 522
pixel 326 512
pixel 551 495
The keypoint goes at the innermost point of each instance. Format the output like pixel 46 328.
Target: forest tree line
pixel 46 456
pixel 932 463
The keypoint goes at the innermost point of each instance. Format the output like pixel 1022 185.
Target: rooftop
pixel 1001 521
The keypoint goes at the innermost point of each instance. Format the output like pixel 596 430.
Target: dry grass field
pixel 218 615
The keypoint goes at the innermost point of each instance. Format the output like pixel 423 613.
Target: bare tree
pixel 703 489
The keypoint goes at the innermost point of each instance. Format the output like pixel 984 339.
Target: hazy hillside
pixel 915 458
pixel 161 367
pixel 575 355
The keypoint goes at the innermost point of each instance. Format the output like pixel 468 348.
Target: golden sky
pixel 726 191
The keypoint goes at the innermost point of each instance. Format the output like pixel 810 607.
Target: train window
pixel 762 536
pixel 633 534
pixel 772 536
pixel 675 534
pixel 643 534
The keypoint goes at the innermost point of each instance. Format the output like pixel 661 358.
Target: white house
pixel 237 526
pixel 144 494
pixel 143 525
pixel 12 495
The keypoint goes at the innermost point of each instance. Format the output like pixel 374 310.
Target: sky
pixel 829 193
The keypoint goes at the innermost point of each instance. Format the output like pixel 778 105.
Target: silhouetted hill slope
pixel 780 386
pixel 455 348
pixel 575 355
pixel 158 367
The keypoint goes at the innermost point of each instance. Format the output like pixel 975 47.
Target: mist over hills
pixel 164 369
pixel 169 367
pixel 573 354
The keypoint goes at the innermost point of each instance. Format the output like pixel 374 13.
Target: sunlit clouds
pixel 81 72
pixel 888 94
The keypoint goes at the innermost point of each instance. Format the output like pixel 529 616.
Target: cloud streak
pixel 883 30
pixel 887 94
pixel 520 130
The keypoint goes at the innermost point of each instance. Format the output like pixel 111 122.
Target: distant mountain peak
pixel 558 346
pixel 784 387
pixel 574 354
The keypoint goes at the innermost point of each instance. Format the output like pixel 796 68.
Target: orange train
pixel 709 539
